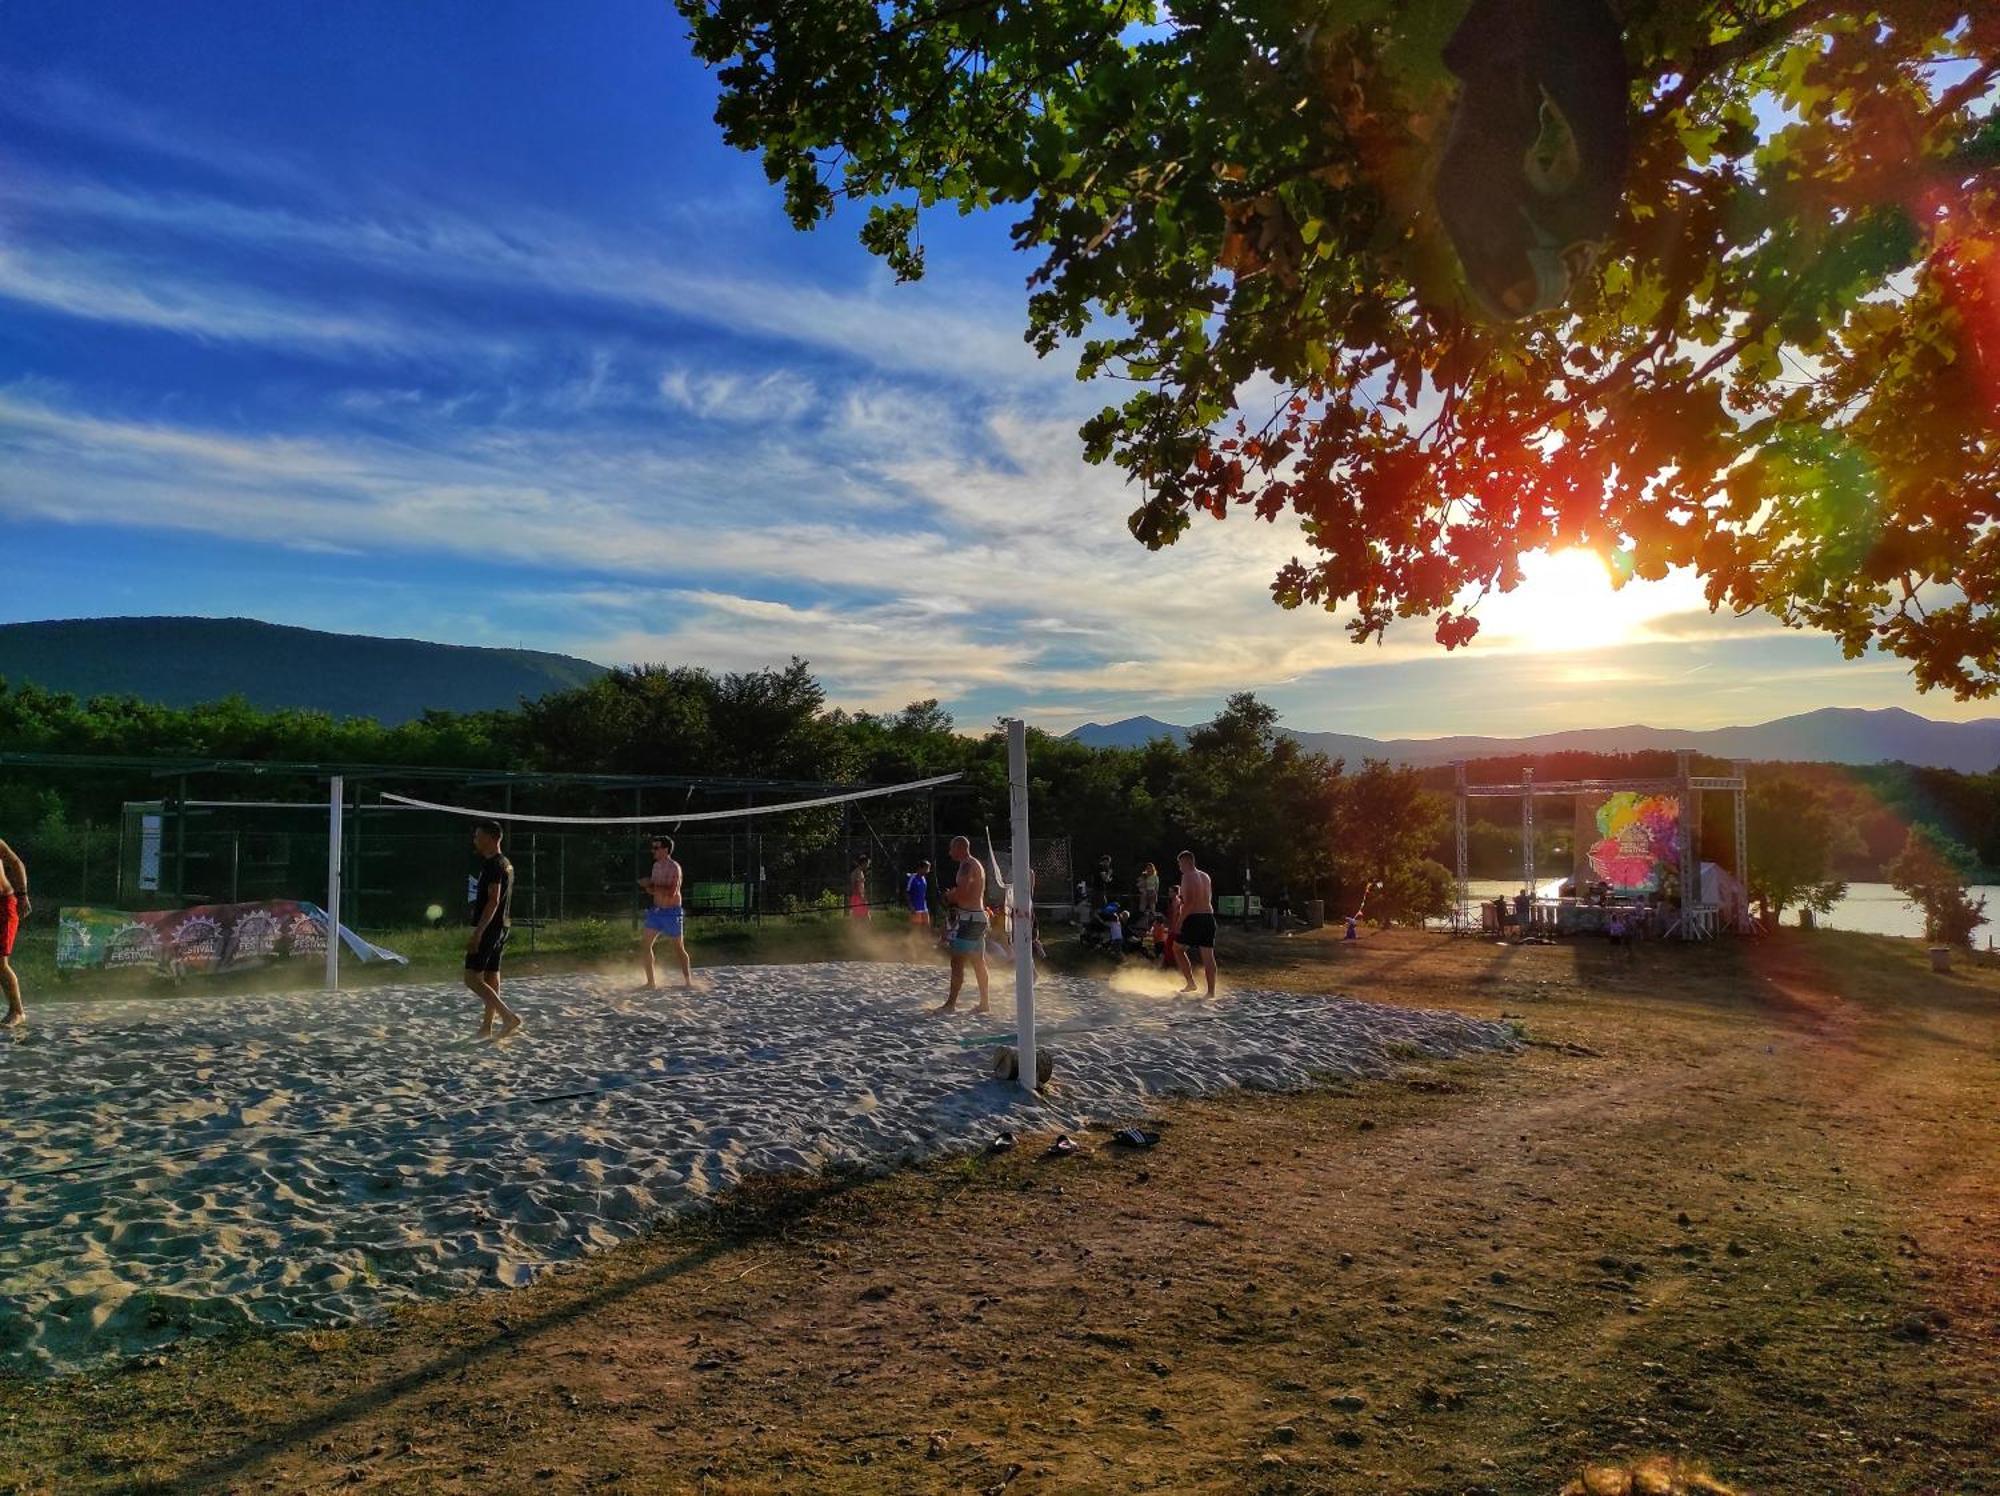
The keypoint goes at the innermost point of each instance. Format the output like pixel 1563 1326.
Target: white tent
pixel 1721 889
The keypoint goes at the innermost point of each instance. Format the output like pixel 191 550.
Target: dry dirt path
pixel 1737 1204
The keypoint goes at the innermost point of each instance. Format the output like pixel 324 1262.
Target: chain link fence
pixel 406 869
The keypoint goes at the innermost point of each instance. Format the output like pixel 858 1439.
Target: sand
pixel 187 1167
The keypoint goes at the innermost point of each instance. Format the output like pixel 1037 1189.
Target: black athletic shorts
pixel 1197 932
pixel 487 957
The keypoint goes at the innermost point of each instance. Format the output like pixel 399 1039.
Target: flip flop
pixel 1062 1147
pixel 1002 1143
pixel 1135 1137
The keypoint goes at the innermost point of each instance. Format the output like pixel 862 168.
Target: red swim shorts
pixel 10 922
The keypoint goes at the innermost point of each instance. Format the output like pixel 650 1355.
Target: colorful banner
pixel 208 937
pixel 1636 842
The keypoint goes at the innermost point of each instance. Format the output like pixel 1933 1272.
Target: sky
pixel 458 321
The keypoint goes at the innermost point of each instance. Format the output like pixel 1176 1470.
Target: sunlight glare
pixel 1565 601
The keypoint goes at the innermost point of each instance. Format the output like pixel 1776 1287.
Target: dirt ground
pixel 1736 1204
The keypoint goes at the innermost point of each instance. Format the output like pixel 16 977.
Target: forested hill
pixel 182 661
pixel 1835 735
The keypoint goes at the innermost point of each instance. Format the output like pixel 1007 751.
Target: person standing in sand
pixel 492 920
pixel 857 889
pixel 668 916
pixel 966 898
pixel 917 893
pixel 1197 931
pixel 1149 892
pixel 15 906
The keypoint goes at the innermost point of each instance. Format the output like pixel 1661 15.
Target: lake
pixel 1870 908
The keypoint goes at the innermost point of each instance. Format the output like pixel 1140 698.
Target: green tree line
pixel 1261 813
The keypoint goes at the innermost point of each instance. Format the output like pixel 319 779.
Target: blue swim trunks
pixel 968 935
pixel 665 921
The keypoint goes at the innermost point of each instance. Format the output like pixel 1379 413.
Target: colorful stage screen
pixel 1628 840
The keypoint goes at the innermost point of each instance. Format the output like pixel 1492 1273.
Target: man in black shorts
pixel 1197 932
pixel 492 918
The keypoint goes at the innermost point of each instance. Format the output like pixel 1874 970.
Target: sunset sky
pixel 457 320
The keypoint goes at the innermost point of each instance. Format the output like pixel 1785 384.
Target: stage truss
pixel 1697 921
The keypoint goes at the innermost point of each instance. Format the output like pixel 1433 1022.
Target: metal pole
pixel 181 844
pixel 334 814
pixel 1023 933
pixel 1684 846
pixel 1464 915
pixel 1528 842
pixel 1741 793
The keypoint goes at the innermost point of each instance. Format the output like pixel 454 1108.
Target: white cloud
pixel 135 295
pixel 961 331
pixel 779 396
pixel 74 106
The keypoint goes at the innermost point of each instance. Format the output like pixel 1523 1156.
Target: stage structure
pixel 1640 829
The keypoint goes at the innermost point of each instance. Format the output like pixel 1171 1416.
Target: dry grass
pixel 1732 1207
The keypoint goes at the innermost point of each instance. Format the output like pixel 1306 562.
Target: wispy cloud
pixel 779 396
pixel 99 289
pixel 962 332
pixel 69 105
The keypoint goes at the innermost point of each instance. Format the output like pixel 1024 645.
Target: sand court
pixel 187 1166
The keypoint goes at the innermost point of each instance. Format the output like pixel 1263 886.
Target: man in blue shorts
pixel 966 899
pixel 667 916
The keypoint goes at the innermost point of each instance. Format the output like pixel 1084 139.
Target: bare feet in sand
pixel 981 1008
pixel 15 1018
pixel 950 1007
pixel 508 1024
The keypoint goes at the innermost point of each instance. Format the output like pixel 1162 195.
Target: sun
pixel 1566 601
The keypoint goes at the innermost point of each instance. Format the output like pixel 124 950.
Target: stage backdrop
pixel 1627 840
pixel 207 937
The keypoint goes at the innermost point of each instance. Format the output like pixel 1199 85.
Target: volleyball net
pixel 405 851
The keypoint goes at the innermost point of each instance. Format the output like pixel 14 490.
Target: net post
pixel 335 795
pixel 1023 932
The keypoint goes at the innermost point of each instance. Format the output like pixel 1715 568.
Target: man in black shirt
pixel 492 917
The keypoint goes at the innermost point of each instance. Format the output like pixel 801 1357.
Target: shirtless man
pixel 15 906
pixel 966 899
pixel 1197 931
pixel 667 916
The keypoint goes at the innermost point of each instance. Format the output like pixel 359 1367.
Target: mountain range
pixel 181 661
pixel 1840 735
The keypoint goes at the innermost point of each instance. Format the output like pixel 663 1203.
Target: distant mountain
pixel 180 661
pixel 1838 735
pixel 1131 732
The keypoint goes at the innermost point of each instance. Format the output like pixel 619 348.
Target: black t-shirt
pixel 495 872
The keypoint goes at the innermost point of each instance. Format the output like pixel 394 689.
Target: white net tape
pixel 668 817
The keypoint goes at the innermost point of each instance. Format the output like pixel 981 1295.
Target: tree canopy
pixel 1784 373
pixel 1795 842
pixel 1931 872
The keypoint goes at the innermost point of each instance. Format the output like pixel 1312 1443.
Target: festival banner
pixel 205 938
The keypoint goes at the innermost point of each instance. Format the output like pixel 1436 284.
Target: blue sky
pixel 457 320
